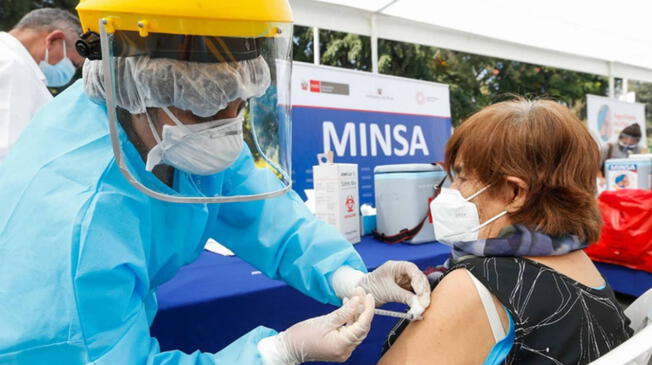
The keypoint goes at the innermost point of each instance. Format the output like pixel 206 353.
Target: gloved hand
pixel 393 281
pixel 331 337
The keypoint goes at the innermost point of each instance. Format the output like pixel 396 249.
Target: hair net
pixel 202 88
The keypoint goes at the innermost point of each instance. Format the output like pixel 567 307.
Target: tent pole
pixel 612 92
pixel 315 46
pixel 625 88
pixel 374 44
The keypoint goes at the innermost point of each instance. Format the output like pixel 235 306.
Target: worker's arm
pixel 280 236
pixel 114 301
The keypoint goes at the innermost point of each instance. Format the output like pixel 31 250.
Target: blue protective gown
pixel 82 251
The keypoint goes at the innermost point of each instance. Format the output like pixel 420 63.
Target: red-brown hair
pixel 545 145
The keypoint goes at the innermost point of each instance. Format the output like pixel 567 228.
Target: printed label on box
pixel 337 199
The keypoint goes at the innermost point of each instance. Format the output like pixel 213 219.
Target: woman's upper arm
pixel 454 329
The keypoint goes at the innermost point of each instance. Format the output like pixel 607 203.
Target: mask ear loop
pixel 151 125
pixel 175 119
pixel 47 56
pixel 153 128
pixel 474 195
pixel 47 52
pixel 490 220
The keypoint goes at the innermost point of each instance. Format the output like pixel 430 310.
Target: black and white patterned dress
pixel 557 320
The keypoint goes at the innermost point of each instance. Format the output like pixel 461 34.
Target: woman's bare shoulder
pixel 454 328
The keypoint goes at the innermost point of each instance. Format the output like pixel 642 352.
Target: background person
pixel 520 289
pixel 627 144
pixel 112 188
pixel 38 52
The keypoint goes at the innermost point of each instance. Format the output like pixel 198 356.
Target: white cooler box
pixel 402 194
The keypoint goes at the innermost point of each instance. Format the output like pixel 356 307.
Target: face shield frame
pixel 283 174
pixel 634 141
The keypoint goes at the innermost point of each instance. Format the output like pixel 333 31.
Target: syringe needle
pixel 388 313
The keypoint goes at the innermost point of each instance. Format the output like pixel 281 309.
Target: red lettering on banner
pixel 624 116
pixel 315 86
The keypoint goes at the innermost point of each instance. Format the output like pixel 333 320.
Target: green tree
pixel 303 44
pixel 464 73
pixel 12 10
pixel 644 95
pixel 345 50
pixel 475 81
pixel 336 48
pixel 566 86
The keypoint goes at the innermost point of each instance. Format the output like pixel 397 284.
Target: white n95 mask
pixel 456 219
pixel 202 149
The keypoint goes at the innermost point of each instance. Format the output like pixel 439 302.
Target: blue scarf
pixel 517 240
pixel 514 240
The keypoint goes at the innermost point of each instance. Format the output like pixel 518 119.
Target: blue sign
pixel 366 138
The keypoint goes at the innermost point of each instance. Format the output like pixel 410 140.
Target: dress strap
pixel 490 308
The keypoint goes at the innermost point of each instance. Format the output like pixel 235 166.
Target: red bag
pixel 626 237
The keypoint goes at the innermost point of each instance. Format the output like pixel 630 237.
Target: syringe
pixel 388 313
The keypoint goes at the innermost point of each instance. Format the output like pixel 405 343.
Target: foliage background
pixel 475 81
pixel 12 10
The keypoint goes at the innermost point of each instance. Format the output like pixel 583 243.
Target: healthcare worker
pixel 178 133
pixel 38 52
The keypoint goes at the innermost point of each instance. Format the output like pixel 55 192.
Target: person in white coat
pixel 38 52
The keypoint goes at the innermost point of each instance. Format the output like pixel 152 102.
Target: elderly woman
pixel 521 208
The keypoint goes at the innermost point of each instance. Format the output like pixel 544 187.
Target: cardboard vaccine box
pixel 336 197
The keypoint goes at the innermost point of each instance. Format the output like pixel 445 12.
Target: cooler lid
pixel 406 167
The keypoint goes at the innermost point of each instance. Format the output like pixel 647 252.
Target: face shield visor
pixel 188 114
pixel 628 142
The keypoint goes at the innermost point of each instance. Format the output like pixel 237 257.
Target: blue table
pixel 625 280
pixel 216 299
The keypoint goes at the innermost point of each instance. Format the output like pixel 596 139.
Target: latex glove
pixel 331 337
pixel 393 281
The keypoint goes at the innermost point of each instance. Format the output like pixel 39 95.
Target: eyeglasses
pixel 438 188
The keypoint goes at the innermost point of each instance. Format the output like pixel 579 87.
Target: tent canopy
pixel 604 37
